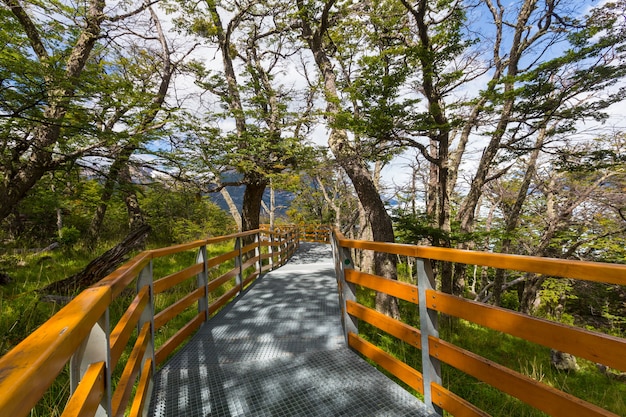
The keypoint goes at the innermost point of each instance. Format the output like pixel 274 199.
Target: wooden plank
pixel 143 390
pixel 454 404
pixel 129 374
pixel 541 396
pixel 170 250
pixel 29 369
pixel 126 325
pixel 596 347
pixel 171 280
pixel 220 259
pixel 222 279
pixel 178 338
pixel 249 247
pixel 392 287
pixel 399 369
pixel 394 327
pixel 88 395
pixel 176 308
pixel 249 263
pixel 588 271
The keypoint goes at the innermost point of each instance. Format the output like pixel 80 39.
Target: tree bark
pixel 232 208
pixel 347 154
pixel 17 181
pixel 101 266
pixel 252 197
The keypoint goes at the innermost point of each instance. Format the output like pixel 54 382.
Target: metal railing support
pixel 203 282
pixel 95 348
pixel 347 290
pixel 257 252
pixel 239 264
pixel 431 367
pixel 271 250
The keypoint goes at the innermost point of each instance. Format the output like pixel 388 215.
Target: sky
pixel 398 172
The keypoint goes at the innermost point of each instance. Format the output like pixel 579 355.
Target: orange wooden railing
pixel 80 334
pixel 596 347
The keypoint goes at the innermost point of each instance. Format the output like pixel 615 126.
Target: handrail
pixel 597 347
pixel 82 333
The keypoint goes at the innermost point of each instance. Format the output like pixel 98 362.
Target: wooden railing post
pixel 431 367
pixel 347 290
pixel 239 263
pixel 95 348
pixel 203 282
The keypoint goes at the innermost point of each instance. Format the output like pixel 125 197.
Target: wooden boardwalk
pixel 279 351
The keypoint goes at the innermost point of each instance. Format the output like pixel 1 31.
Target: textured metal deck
pixel 279 351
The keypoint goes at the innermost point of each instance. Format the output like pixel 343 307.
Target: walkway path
pixel 279 351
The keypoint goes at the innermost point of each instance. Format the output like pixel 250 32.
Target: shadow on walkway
pixel 279 351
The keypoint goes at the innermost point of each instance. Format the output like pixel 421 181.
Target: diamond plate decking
pixel 279 351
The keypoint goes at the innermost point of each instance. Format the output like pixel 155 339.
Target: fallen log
pixel 101 266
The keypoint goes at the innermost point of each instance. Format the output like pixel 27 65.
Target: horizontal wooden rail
pixel 140 402
pixel 402 331
pixel 454 404
pixel 124 328
pixel 164 316
pixel 393 365
pixel 80 331
pixel 596 347
pixel 541 396
pixel 582 270
pixel 130 373
pixel 29 369
pixel 397 289
pixel 89 394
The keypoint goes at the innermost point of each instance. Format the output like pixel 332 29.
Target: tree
pixel 265 141
pixel 542 63
pixel 48 77
pixel 136 109
pixel 315 22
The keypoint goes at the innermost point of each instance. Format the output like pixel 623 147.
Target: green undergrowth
pixel 527 358
pixel 23 309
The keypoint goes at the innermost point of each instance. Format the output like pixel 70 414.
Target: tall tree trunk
pixel 521 41
pixel 119 172
pixel 252 197
pixel 514 214
pixel 232 208
pixel 112 179
pixel 347 155
pixel 27 171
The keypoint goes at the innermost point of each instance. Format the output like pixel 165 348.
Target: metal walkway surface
pixel 279 351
